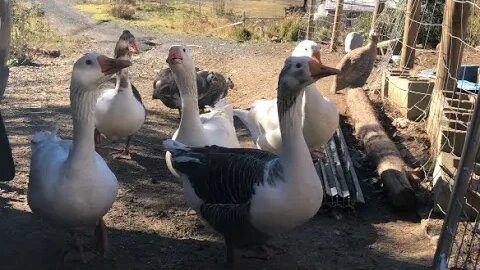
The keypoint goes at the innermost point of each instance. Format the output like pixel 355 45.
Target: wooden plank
pixel 380 150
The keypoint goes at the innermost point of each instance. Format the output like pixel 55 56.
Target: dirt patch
pixel 147 227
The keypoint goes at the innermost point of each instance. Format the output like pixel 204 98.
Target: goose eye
pixel 184 50
pixel 298 65
pixel 306 49
pixel 88 62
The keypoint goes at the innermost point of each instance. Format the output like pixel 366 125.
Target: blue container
pixel 467 77
pixel 468 73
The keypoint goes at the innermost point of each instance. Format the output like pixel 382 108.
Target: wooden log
pixel 380 150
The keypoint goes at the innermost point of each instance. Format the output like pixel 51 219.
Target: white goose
pixel 262 119
pixel 120 111
pixel 250 195
pixel 213 128
pixel 70 184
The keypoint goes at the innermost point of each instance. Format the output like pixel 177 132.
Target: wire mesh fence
pixel 437 92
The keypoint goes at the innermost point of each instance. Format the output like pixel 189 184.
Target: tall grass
pixel 290 28
pixel 30 32
pixel 207 19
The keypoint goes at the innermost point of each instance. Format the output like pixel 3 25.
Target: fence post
pixel 336 25
pixel 455 19
pixel 379 6
pixel 457 198
pixel 244 18
pixel 311 22
pixel 410 33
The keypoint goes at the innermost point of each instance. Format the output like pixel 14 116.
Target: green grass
pixel 178 16
pixel 257 8
pixel 99 12
pixel 172 16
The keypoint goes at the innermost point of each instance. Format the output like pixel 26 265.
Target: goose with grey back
pixel 70 185
pixel 165 88
pixel 357 65
pixel 250 195
pixel 262 118
pixel 211 86
pixel 217 89
pixel 120 111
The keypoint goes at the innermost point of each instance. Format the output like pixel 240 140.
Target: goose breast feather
pixel 51 193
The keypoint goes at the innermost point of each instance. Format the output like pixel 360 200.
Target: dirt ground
pixel 147 226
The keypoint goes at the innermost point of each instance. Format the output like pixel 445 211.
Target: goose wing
pixel 136 94
pixel 222 175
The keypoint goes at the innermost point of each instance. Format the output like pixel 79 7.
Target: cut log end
pixel 381 150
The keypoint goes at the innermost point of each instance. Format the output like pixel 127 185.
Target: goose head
pixel 179 58
pixel 301 71
pixel 212 78
pixel 126 45
pixel 374 35
pixel 183 68
pixel 93 68
pixel 307 48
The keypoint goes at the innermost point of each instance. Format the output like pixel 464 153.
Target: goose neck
pixel 304 187
pixel 290 116
pixel 190 124
pixel 122 81
pixel 82 102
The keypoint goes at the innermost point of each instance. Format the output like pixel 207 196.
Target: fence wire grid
pixel 443 107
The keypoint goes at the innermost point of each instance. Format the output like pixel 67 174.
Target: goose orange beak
pixel 316 56
pixel 111 66
pixel 318 70
pixel 174 55
pixel 133 46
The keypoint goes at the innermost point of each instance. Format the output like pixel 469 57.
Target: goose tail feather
pixel 44 136
pixel 174 146
pixel 245 118
pixel 222 106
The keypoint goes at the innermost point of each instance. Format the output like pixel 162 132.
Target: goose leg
pixel 264 252
pixel 125 153
pixel 85 257
pixel 101 239
pixel 98 137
